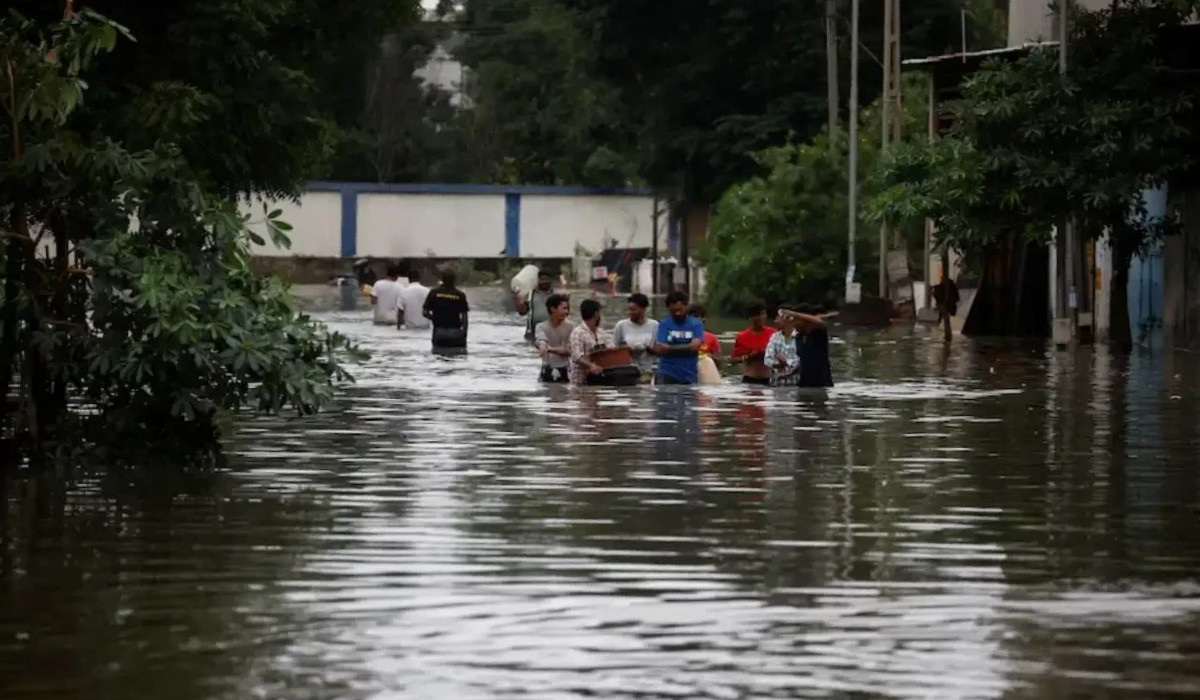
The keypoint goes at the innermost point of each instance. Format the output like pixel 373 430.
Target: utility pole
pixel 1067 245
pixel 852 194
pixel 831 66
pixel 892 116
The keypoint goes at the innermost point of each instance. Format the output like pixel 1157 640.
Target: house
pixel 1026 288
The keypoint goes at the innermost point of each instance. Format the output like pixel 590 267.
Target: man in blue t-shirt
pixel 678 343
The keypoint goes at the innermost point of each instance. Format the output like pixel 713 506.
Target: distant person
pixel 945 295
pixel 363 273
pixel 812 345
pixel 678 343
pixel 412 303
pixel 534 307
pixel 710 349
pixel 783 357
pixel 750 347
pixel 385 297
pixel 446 306
pixel 553 337
pixel 639 334
pixel 586 339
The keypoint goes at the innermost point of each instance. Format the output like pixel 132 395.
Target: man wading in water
pixel 812 346
pixel 678 343
pixel 585 340
pixel 535 306
pixel 553 339
pixel 446 306
pixel 638 333
pixel 750 347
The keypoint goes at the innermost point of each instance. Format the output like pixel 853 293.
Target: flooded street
pixel 998 522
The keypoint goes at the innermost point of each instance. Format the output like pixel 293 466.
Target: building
pixel 336 222
pixel 1016 296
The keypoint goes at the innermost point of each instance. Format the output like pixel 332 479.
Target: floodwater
pixel 995 522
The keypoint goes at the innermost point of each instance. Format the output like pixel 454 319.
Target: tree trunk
pixel 1119 333
pixel 947 333
pixel 61 314
pixel 8 326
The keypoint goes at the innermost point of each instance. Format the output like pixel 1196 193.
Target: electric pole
pixel 892 116
pixel 831 66
pixel 852 194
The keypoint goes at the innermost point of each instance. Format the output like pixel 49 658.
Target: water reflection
pixel 991 522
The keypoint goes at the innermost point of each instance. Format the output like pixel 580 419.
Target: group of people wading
pixel 676 349
pixel 409 304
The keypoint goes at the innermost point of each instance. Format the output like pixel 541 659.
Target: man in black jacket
pixel 446 306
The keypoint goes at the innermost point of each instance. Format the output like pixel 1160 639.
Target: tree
pixel 781 236
pixel 540 112
pixel 1031 148
pixel 278 85
pixel 144 306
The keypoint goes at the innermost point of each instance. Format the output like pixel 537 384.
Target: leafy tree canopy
pixel 127 286
pixel 1031 148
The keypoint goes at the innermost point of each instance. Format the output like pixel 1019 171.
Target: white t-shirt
pixel 639 338
pixel 387 299
pixel 412 303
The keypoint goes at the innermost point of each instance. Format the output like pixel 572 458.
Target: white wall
pixel 456 224
pixel 316 225
pixel 552 225
pixel 437 225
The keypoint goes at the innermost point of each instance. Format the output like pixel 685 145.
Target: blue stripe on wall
pixel 349 222
pixel 442 188
pixel 512 225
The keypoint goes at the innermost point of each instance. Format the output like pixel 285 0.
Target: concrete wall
pixel 430 225
pixel 553 226
pixel 348 220
pixel 316 221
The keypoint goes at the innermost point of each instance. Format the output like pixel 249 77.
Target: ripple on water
pixel 455 530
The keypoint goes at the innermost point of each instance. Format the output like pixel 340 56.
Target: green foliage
pixel 144 306
pixel 541 113
pixel 1031 148
pixel 782 236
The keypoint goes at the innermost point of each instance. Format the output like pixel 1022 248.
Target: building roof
pixel 977 56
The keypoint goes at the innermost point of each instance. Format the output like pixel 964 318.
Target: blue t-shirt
pixel 681 368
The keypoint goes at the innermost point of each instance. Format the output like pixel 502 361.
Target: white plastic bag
pixel 524 281
pixel 707 370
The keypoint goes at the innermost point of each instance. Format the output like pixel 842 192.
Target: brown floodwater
pixel 998 521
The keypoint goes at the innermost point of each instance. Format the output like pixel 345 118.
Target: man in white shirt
pixel 385 296
pixel 412 304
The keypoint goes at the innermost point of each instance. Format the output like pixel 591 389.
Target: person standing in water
pixel 750 347
pixel 552 338
pixel 412 303
pixel 812 346
pixel 534 308
pixel 446 306
pixel 678 342
pixel 638 333
pixel 385 297
pixel 584 340
pixel 782 355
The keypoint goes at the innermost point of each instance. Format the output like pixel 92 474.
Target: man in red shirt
pixel 750 347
